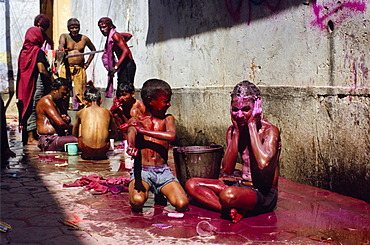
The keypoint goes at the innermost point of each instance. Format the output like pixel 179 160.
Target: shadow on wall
pixel 178 19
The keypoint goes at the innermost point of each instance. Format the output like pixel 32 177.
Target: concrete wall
pixel 310 59
pixel 17 16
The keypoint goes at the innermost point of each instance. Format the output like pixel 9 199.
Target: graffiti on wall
pixel 234 7
pixel 336 12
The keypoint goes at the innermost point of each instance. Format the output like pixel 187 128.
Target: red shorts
pixel 90 153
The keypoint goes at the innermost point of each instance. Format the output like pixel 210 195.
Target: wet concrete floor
pixel 41 211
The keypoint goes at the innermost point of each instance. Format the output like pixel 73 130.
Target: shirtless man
pixel 148 141
pixel 53 127
pixel 75 43
pixel 258 142
pixel 126 106
pixel 94 127
pixel 116 46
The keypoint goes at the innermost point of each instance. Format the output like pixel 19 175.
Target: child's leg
pixel 138 198
pixel 176 195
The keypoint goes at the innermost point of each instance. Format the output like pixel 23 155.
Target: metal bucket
pixel 197 161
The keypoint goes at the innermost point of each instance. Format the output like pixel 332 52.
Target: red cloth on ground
pixel 99 184
pixel 27 74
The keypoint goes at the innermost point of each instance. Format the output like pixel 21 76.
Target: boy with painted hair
pixel 148 141
pixel 259 145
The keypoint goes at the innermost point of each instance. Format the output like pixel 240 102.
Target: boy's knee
pixel 227 196
pixel 182 205
pixel 191 184
pixel 137 201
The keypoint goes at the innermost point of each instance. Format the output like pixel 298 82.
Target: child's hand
pixel 66 118
pixel 257 111
pixel 139 186
pixel 116 104
pixel 139 127
pixel 124 127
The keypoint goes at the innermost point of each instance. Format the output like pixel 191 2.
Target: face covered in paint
pixel 241 109
pixel 104 28
pixel 126 97
pixel 74 29
pixel 160 104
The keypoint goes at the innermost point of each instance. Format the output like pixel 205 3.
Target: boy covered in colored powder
pixel 126 106
pixel 94 127
pixel 148 141
pixel 259 144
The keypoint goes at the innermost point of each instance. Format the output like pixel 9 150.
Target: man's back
pixel 95 124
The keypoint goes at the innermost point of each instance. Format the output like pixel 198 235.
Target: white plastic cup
pixel 204 228
pixel 111 148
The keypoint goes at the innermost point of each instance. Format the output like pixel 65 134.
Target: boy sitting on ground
pixel 126 106
pixel 97 127
pixel 148 139
pixel 258 142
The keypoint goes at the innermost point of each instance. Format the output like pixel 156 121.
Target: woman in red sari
pixel 33 76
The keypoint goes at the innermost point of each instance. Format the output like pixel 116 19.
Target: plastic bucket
pixel 197 161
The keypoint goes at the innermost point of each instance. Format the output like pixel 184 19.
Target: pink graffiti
pixel 334 10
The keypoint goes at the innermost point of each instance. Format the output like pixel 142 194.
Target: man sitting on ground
pixel 53 127
pixel 97 127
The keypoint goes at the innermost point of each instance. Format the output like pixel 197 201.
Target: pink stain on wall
pixel 336 12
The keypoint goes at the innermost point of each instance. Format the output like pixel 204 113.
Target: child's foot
pixel 235 216
pixel 32 142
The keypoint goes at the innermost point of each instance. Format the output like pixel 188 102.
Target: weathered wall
pixel 325 131
pixel 16 17
pixel 310 59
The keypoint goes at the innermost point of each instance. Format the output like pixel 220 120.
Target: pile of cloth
pixel 101 185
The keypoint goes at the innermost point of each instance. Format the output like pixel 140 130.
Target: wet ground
pixel 41 211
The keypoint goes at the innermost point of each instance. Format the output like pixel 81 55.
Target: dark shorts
pixel 156 176
pixel 127 75
pixel 265 202
pixel 89 153
pixel 55 142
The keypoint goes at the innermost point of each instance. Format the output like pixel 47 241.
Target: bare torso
pixel 153 151
pixel 48 118
pixel 251 172
pixel 95 123
pixel 76 46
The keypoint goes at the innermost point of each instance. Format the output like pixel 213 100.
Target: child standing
pixel 148 139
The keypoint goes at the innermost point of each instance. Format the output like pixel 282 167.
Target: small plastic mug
pixel 71 148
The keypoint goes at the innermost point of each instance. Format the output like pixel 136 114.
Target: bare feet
pixel 31 138
pixel 32 142
pixel 235 216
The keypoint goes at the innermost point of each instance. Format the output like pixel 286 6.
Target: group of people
pixel 35 75
pixel 149 130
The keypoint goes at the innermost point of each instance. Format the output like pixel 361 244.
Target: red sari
pixel 27 70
